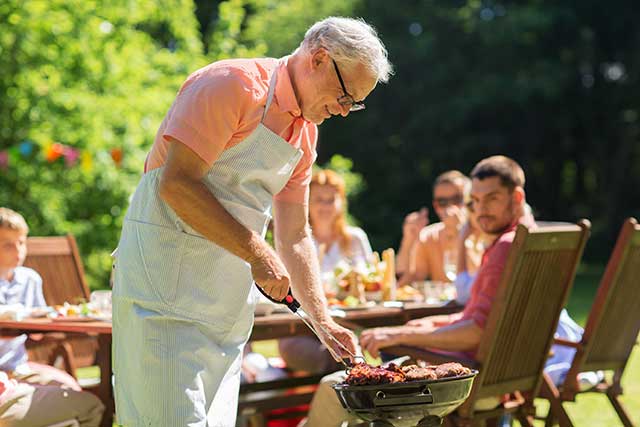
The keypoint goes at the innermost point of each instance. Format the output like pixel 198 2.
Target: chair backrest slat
pixel 58 262
pixel 534 287
pixel 614 321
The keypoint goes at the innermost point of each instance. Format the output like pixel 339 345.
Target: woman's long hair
pixel 331 178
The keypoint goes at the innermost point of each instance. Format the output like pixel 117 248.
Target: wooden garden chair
pixel 515 344
pixel 611 330
pixel 58 262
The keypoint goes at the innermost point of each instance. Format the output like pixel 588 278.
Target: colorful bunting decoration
pixel 70 156
pixel 116 155
pixel 53 151
pixel 26 148
pixel 86 162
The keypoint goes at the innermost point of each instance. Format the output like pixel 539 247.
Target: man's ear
pixel 518 195
pixel 319 57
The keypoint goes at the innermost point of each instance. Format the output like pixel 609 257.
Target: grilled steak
pixel 451 369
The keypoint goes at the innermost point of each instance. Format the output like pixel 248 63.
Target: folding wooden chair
pixel 58 262
pixel 515 344
pixel 611 330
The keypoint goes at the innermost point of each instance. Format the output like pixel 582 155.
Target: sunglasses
pixel 443 202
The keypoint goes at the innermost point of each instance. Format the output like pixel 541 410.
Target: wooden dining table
pixel 272 326
pixel 104 391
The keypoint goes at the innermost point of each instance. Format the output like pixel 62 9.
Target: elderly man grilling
pixel 240 137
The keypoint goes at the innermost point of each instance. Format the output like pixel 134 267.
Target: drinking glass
pixel 101 300
pixel 450 265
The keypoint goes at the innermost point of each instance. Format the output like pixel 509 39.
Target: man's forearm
pixel 195 205
pixel 460 336
pixel 300 257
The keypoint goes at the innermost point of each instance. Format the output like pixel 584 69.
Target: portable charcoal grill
pixel 403 404
pixel 406 404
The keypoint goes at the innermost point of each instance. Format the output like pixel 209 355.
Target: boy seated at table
pixel 23 286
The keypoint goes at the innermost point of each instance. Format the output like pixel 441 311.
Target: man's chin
pixel 494 228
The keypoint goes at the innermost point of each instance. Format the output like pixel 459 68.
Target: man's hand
pixel 454 217
pixel 345 336
pixel 431 323
pixel 373 340
pixel 424 322
pixel 413 223
pixel 250 373
pixel 270 274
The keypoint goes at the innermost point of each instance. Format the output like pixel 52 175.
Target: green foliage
pixel 552 84
pixel 98 76
pixel 94 77
pixel 279 26
pixel 353 181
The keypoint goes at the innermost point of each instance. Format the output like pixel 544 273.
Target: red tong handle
pixel 289 301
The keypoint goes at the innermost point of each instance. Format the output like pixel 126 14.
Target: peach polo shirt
pixel 221 104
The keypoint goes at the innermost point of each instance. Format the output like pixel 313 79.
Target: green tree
pixel 95 77
pixel 98 77
pixel 553 84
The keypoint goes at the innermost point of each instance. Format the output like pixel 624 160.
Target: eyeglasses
pixel 346 99
pixel 443 202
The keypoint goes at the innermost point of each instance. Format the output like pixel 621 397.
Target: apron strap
pixel 272 89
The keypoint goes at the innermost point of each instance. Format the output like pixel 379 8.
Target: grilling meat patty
pixel 451 369
pixel 416 373
pixel 365 374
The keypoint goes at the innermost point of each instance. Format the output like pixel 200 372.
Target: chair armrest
pixel 567 343
pixel 64 350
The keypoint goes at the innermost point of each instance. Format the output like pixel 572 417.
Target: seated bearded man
pixel 498 197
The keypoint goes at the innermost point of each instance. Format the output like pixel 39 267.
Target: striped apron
pixel 183 306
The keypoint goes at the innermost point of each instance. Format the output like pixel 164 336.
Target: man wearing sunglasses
pixel 239 138
pixel 430 251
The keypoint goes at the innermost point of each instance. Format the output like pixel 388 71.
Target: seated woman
pixel 335 242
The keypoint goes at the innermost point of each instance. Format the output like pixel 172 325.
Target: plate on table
pixel 100 317
pixel 37 312
pixel 366 306
pixel 73 319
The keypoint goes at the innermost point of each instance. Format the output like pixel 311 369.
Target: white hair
pixel 350 42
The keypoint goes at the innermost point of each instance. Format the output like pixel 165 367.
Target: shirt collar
pixel 17 275
pixel 526 220
pixel 284 94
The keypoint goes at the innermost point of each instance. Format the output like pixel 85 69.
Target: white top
pixel 24 289
pixel 360 251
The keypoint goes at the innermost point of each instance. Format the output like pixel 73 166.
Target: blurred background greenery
pixel 553 84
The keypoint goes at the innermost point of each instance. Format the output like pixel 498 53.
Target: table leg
pixel 105 390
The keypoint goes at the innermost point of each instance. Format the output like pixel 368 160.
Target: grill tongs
pixel 294 306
